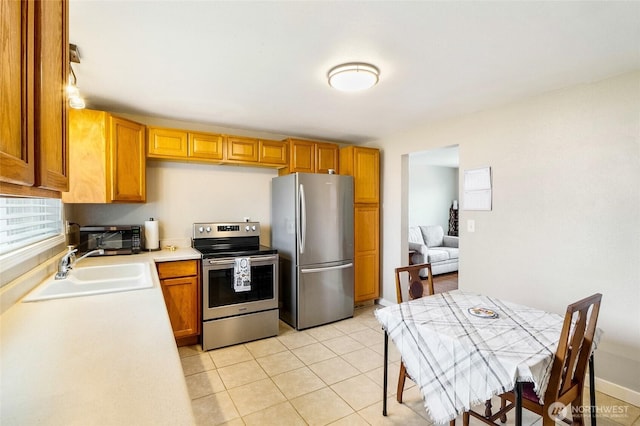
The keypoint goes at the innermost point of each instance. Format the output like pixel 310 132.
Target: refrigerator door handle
pixel 328 268
pixel 303 219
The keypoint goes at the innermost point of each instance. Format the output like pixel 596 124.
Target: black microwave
pixel 114 239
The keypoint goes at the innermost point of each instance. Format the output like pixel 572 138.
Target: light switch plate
pixel 471 225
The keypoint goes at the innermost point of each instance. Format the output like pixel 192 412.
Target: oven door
pixel 220 299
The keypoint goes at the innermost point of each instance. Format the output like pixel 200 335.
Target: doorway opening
pixel 430 198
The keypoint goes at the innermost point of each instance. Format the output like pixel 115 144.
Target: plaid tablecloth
pixel 459 360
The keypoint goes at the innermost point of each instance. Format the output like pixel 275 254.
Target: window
pixel 27 221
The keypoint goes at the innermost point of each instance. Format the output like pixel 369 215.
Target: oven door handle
pixel 251 258
pixel 328 268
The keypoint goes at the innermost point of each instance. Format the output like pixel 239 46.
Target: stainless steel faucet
pixel 69 260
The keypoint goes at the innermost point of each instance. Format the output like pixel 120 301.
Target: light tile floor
pixel 330 374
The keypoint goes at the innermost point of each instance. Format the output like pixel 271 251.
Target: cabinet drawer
pixel 183 268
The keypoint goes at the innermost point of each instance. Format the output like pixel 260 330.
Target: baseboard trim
pixel 385 302
pixel 619 392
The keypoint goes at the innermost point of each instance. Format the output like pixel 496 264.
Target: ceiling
pixel 261 66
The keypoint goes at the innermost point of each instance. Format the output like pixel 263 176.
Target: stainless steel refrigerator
pixel 312 228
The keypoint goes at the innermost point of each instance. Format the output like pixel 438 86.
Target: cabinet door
pixel 51 74
pixel 366 252
pixel 366 175
pixel 302 156
pixel 167 143
pixel 88 157
pixel 326 157
pixel 242 149
pixel 206 146
pixel 181 298
pixel 16 92
pixel 127 161
pixel 273 152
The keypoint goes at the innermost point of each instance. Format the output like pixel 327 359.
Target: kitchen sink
pixel 91 280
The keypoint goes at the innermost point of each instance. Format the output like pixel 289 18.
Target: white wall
pixel 566 207
pixel 179 194
pixel 432 190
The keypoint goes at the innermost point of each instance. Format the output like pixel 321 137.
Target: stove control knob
pixel 253 228
pixel 246 228
pixel 201 229
pixel 208 229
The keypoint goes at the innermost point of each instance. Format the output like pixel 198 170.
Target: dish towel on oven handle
pixel 242 274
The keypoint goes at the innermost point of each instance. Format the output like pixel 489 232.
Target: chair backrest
pixel 416 288
pixel 574 347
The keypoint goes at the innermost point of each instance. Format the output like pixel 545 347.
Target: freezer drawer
pixel 325 294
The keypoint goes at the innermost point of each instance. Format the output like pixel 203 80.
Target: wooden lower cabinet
pixel 180 281
pixel 366 252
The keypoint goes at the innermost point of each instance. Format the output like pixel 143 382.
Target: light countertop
pixel 103 359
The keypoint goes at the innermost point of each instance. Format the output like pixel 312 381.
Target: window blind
pixel 25 221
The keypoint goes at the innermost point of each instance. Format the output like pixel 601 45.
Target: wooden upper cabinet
pixel 167 142
pixel 51 71
pixel 16 93
pixel 242 149
pixel 181 144
pixel 311 157
pixel 175 144
pixel 303 156
pixel 206 146
pixel 106 159
pixel 364 165
pixel 272 152
pixel 128 161
pixel 326 157
pixel 33 103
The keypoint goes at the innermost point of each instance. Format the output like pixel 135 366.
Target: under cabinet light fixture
pixel 73 94
pixel 353 77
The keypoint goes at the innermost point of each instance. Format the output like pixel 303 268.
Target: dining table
pixel 462 348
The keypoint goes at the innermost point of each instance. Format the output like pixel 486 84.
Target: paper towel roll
pixel 151 235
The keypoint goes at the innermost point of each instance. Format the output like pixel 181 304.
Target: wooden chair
pixel 416 291
pixel 568 370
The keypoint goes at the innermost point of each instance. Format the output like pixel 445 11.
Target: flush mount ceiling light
pixel 353 76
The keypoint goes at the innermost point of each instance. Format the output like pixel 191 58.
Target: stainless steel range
pixel 239 283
